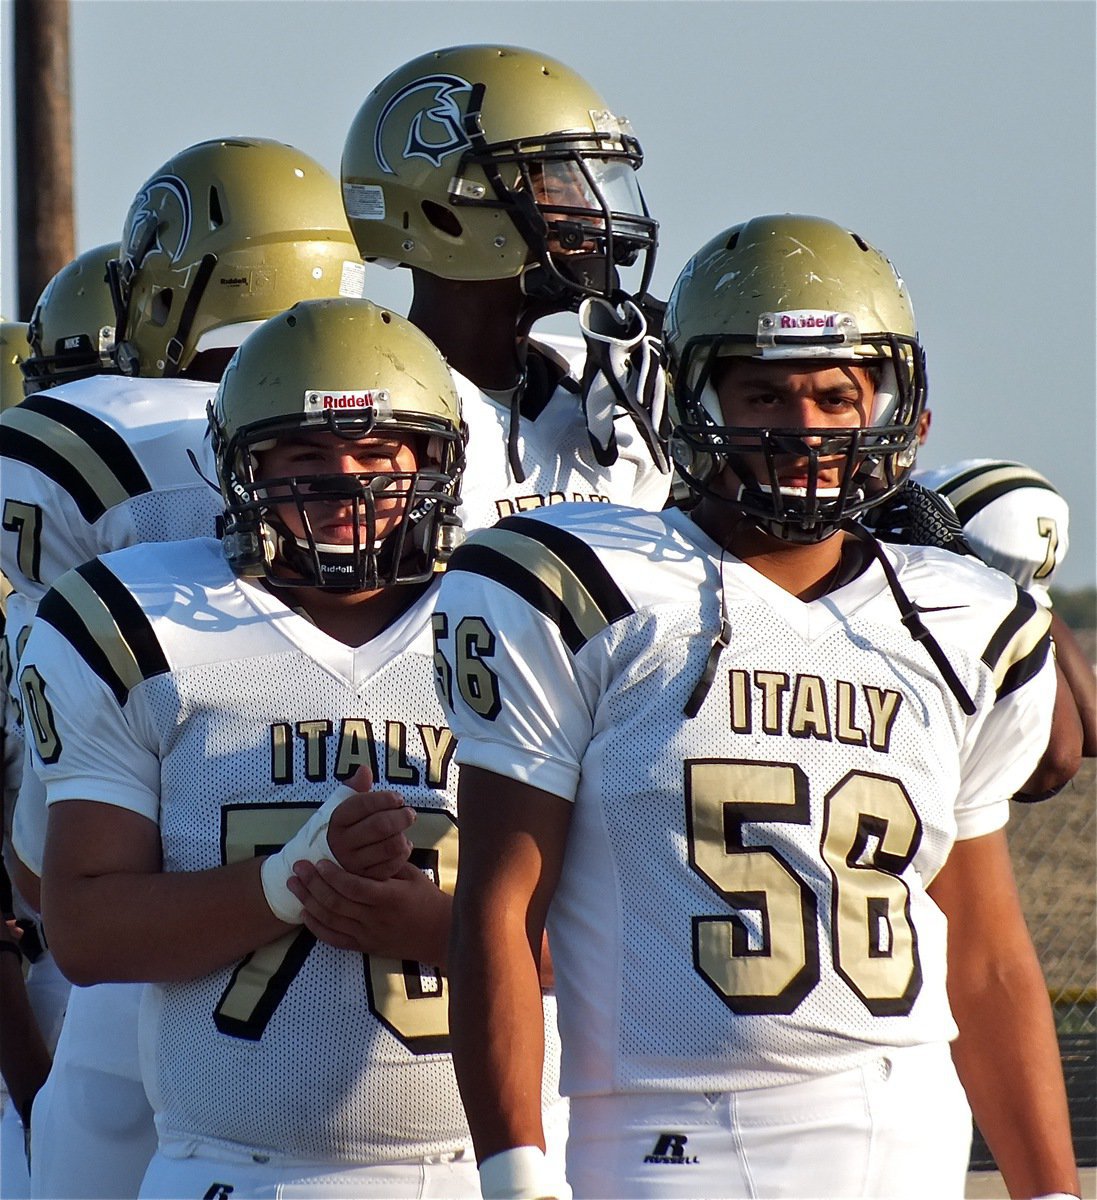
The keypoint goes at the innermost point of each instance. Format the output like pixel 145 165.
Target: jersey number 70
pixel 408 998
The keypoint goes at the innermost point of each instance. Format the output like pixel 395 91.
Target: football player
pixel 506 185
pixel 225 234
pixel 74 343
pixel 757 761
pixel 197 705
pixel 1017 521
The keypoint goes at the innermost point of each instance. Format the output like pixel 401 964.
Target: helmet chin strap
pixel 568 280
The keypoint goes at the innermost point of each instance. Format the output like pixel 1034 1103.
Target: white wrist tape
pixel 521 1173
pixel 309 842
pixel 1056 1196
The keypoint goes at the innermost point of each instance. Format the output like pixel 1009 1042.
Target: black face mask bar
pixel 620 237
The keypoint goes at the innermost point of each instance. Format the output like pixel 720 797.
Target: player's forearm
pixel 1007 1057
pixel 156 927
pixel 25 882
pixel 497 1031
pixel 24 1059
pixel 1062 756
pixel 1081 679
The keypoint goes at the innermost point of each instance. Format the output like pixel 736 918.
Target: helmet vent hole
pixel 386 317
pixel 860 242
pixel 443 219
pixel 160 308
pixel 216 216
pixel 732 240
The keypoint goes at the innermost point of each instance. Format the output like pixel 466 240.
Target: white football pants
pixel 210 1173
pixel 897 1128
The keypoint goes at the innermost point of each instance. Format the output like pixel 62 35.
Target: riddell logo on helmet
pixel 339 401
pixel 347 400
pixel 807 320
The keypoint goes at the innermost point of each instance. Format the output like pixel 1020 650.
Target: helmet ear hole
pixel 216 214
pixel 160 309
pixel 443 219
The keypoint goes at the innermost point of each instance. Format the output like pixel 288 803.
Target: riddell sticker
pixel 352 281
pixel 364 201
pixel 805 320
pixel 320 402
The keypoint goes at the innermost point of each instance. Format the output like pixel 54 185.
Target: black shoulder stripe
pixel 1023 669
pixel 1021 612
pixel 552 571
pixel 78 451
pixel 482 560
pixel 55 610
pixel 972 490
pixel 107 443
pixel 105 625
pixel 22 448
pixel 975 504
pixel 582 560
pixel 1019 646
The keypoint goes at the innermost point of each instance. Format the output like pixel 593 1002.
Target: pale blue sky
pixel 956 135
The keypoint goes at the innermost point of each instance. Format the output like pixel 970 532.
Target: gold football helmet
pixel 794 287
pixel 14 349
pixel 350 368
pixel 224 235
pixel 71 330
pixel 493 162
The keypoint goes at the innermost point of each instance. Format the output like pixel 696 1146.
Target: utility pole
pixel 43 146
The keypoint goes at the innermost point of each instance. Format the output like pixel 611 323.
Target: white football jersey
pixel 743 899
pixel 1012 516
pixel 99 464
pixel 160 682
pixel 555 453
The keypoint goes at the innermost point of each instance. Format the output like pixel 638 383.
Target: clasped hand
pixel 372 899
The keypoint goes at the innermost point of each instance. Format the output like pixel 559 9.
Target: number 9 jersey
pixel 762 867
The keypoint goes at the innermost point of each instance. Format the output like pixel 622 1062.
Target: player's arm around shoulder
pixel 1006 1054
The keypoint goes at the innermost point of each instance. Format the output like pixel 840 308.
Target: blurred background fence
pixel 1054 849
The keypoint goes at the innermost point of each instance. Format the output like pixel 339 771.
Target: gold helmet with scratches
pixel 794 288
pixel 488 162
pixel 351 368
pixel 224 235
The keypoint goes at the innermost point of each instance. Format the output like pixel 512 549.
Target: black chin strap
pixel 911 618
pixel 723 640
pixel 908 612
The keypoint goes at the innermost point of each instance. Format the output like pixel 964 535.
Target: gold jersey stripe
pixel 551 571
pixel 1024 640
pixel 85 460
pixel 101 626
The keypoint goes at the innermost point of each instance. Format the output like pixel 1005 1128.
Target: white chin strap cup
pixel 522 1173
pixel 310 842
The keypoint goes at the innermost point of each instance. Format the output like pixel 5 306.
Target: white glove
pixel 309 842
pixel 623 372
pixel 521 1173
